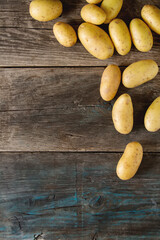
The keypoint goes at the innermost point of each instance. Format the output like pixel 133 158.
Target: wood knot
pixel 96 202
pixel 39 237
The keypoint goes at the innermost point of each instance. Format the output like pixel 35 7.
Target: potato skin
pixel 96 41
pixel 141 35
pixel 139 72
pixel 93 14
pixel 110 82
pixel 130 161
pixel 151 15
pixel 65 34
pixel 120 36
pixel 94 1
pixel 152 116
pixel 45 10
pixel 122 114
pixel 111 8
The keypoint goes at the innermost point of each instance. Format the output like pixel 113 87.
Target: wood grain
pixel 77 196
pixel 17 15
pixel 53 104
pixel 60 109
pixel 26 42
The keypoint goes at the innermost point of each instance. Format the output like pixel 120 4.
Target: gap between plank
pixel 25 67
pixel 71 152
pixel 38 67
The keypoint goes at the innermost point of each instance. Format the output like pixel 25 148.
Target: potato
pixel 45 10
pixel 152 116
pixel 151 15
pixel 130 161
pixel 120 36
pixel 139 72
pixel 93 14
pixel 94 1
pixel 122 114
pixel 141 35
pixel 65 34
pixel 110 82
pixel 96 41
pixel 111 8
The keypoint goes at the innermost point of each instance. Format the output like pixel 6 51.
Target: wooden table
pixel 58 146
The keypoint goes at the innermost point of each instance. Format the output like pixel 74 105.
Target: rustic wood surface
pixel 26 42
pixel 60 109
pixel 58 146
pixel 77 196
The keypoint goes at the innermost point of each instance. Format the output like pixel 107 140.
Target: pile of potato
pixel 98 43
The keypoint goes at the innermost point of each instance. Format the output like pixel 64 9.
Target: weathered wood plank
pixel 31 47
pixel 77 196
pixel 17 15
pixel 60 109
pixel 26 42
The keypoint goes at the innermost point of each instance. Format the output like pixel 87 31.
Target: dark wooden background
pixel 58 146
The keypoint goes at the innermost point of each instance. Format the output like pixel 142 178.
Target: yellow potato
pixel 122 114
pixel 130 161
pixel 111 8
pixel 151 15
pixel 96 41
pixel 120 36
pixel 152 116
pixel 141 35
pixel 94 1
pixel 110 82
pixel 93 14
pixel 65 34
pixel 139 72
pixel 45 10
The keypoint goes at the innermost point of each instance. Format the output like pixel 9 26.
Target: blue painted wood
pixel 77 196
